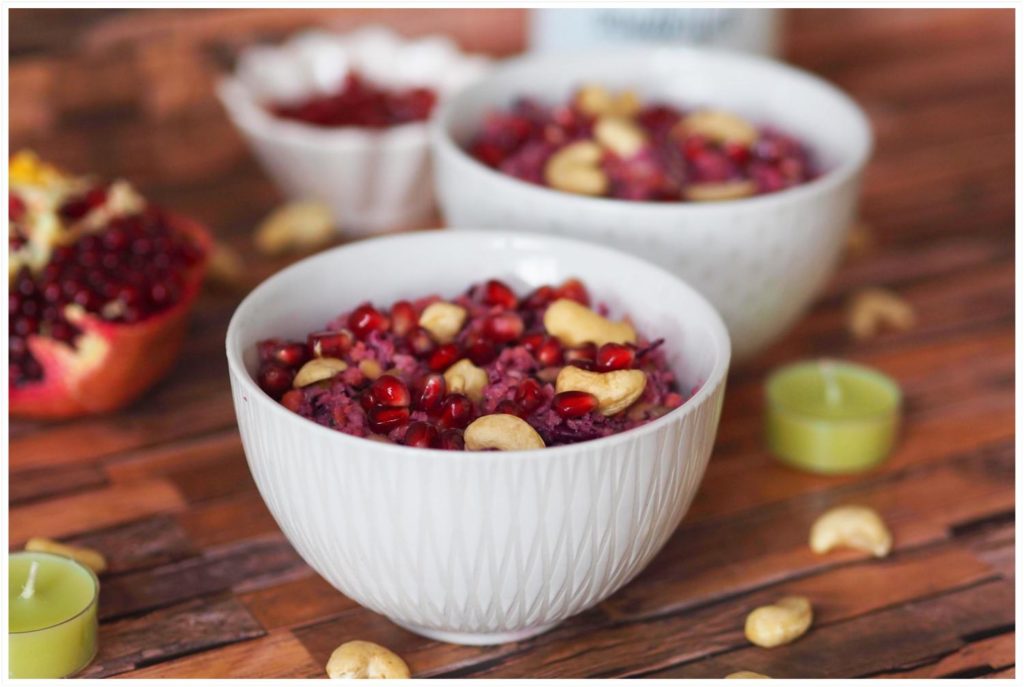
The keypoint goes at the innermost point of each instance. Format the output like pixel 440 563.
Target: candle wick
pixel 833 391
pixel 29 590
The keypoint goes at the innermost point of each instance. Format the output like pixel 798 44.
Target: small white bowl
pixel 373 180
pixel 759 260
pixel 477 548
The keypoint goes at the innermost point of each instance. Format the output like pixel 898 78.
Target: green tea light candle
pixel 831 417
pixel 52 615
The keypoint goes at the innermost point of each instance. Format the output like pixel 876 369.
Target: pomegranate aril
pixel 508 407
pixel 388 390
pixel 550 353
pixel 451 440
pixel 612 356
pixel 428 392
pixel 481 352
pixel 533 341
pixel 292 400
pixel 289 354
pixel 456 411
pixel 573 404
pixel 403 318
pixel 420 342
pixel 574 290
pixel 529 395
pixel 365 320
pixel 329 344
pixel 444 357
pixel 421 435
pixel 584 353
pixel 540 297
pixel 383 419
pixel 16 207
pixel 503 327
pixel 499 294
pixel 275 379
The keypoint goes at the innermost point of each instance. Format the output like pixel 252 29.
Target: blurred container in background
pixel 755 31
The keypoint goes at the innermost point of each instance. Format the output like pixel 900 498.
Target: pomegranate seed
pixel 584 353
pixel 428 392
pixel 503 327
pixel 481 352
pixel 570 404
pixel 16 207
pixel 444 357
pixel 388 390
pixel 498 293
pixel 403 318
pixel 550 353
pixel 365 320
pixel 539 298
pixel 383 419
pixel 456 411
pixel 292 400
pixel 613 356
pixel 574 290
pixel 420 342
pixel 330 344
pixel 451 440
pixel 289 354
pixel 77 208
pixel 275 379
pixel 508 407
pixel 366 401
pixel 421 435
pixel 529 395
pixel 533 341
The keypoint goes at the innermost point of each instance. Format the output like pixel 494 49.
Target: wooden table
pixel 202 581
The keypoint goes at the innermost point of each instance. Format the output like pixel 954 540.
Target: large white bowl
pixel 760 260
pixel 477 548
pixel 373 180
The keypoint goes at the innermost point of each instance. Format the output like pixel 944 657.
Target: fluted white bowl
pixel 481 547
pixel 373 180
pixel 760 260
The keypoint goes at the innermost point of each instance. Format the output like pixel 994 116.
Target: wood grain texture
pixel 202 582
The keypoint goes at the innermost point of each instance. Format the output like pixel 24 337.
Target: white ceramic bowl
pixel 477 548
pixel 373 181
pixel 760 260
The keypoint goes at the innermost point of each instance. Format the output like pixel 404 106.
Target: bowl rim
pixel 444 144
pixel 712 383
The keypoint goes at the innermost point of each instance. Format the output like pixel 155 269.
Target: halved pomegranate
pixel 99 298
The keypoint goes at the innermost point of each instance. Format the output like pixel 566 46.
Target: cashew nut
pixel 87 557
pixel 619 135
pixel 574 324
pixel 615 390
pixel 856 527
pixel 746 675
pixel 596 101
pixel 780 623
pixel 443 320
pixel 576 169
pixel 720 127
pixel 295 226
pixel 370 368
pixel 874 309
pixel 361 660
pixel 720 190
pixel 502 432
pixel 317 370
pixel 466 378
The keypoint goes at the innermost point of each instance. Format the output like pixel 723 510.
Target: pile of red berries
pixel 360 103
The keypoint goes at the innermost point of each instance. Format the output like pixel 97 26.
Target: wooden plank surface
pixel 203 584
